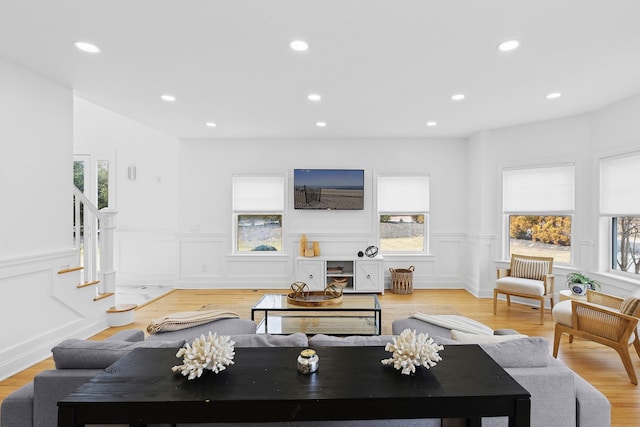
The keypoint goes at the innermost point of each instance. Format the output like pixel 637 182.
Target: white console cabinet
pixel 361 274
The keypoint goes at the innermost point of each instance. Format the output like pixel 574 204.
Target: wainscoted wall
pixel 205 262
pixel 53 308
pixel 145 256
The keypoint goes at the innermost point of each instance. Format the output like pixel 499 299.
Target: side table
pixel 566 294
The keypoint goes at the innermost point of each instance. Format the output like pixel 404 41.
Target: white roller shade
pixel 403 194
pixel 620 186
pixel 258 193
pixel 538 190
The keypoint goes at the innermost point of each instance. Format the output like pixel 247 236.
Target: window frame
pixel 507 233
pixel 524 207
pixel 236 226
pixel 425 238
pixel 614 170
pixel 257 211
pixel 612 252
pixel 409 212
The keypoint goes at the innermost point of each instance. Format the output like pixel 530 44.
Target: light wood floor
pixel 599 365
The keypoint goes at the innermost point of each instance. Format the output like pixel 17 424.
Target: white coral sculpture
pixel 411 350
pixel 212 352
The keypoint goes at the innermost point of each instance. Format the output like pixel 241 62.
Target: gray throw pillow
pixel 531 352
pixel 321 340
pixel 83 354
pixel 297 339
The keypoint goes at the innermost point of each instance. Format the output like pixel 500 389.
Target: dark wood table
pixel 264 385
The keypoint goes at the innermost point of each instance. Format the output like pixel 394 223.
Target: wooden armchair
pixel 526 277
pixel 601 319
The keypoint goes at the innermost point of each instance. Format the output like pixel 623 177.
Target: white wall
pixel 615 131
pixel 38 306
pixel 35 140
pixel 147 206
pixel 205 220
pixel 581 140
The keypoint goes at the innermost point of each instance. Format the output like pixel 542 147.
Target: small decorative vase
pixel 578 288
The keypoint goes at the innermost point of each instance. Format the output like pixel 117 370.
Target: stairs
pixel 82 284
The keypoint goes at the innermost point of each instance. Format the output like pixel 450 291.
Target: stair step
pixel 120 308
pixel 70 270
pixel 103 296
pixel 120 315
pixel 85 284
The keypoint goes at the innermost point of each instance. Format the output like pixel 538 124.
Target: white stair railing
pixel 93 232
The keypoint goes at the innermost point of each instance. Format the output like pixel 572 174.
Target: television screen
pixel 334 189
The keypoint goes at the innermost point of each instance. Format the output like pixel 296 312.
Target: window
pixel 258 205
pixel 541 235
pixel 403 207
pixel 620 201
pixel 538 206
pixel 626 244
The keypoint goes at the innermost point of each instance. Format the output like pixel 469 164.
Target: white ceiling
pixel 384 68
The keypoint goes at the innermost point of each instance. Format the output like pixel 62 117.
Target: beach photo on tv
pixel 332 189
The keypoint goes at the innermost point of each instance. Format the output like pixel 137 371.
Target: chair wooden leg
pixel 495 301
pixel 509 300
pixel 636 343
pixel 628 366
pixel 556 340
pixel 542 312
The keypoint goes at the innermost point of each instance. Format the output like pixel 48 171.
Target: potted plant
pixel 579 283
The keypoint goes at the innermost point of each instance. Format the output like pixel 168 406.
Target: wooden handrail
pixel 69 270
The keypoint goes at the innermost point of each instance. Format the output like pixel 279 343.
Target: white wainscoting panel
pixel 145 256
pixel 40 308
pixel 202 257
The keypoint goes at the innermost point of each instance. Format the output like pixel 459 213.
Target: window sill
pixel 388 255
pixel 603 277
pixel 260 254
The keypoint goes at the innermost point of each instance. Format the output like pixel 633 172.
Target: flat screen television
pixel 329 189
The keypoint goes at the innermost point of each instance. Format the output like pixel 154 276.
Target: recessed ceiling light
pixel 211 124
pixel 314 97
pixel 508 45
pixel 458 97
pixel 168 98
pixel 554 95
pixel 432 124
pixel 321 124
pixel 87 47
pixel 299 45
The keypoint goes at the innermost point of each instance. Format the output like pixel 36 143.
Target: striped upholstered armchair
pixel 527 277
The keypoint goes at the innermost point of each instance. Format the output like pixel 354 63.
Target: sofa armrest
pixel 593 408
pixel 221 327
pixel 549 284
pixel 131 335
pixel 17 408
pixel 503 272
pixel 553 396
pixel 53 385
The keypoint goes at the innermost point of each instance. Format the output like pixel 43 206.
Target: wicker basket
pixel 402 280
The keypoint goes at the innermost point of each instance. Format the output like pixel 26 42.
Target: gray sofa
pixel 559 396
